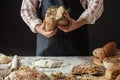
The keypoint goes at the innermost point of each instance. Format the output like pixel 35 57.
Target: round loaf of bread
pixel 111 62
pixel 28 75
pixel 4 59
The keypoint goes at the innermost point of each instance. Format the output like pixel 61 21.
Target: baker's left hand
pixel 73 24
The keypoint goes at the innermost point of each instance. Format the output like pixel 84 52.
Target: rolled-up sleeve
pixel 29 13
pixel 93 11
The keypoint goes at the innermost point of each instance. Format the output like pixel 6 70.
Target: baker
pixel 70 40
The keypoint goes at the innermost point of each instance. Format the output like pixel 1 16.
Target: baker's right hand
pixel 41 30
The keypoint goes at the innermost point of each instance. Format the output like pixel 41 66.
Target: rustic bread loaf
pixel 28 75
pixel 55 16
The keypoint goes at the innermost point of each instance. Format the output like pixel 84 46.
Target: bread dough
pixel 48 63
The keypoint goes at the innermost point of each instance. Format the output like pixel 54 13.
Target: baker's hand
pixel 73 24
pixel 41 30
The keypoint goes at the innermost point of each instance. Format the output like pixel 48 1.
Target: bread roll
pixel 28 75
pixel 111 62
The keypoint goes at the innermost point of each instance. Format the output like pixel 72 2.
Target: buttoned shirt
pixel 93 11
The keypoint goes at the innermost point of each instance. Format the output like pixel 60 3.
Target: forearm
pixel 29 13
pixel 93 11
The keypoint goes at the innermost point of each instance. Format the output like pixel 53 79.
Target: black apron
pixel 74 43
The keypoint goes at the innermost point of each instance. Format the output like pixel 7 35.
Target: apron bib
pixel 74 43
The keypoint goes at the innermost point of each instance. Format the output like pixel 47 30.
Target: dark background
pixel 16 37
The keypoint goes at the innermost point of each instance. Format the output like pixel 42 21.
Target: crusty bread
pixel 54 16
pixel 4 59
pixel 28 75
pixel 60 17
pixel 50 23
pixel 112 73
pixel 111 62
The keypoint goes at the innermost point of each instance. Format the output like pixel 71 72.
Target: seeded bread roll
pixel 55 16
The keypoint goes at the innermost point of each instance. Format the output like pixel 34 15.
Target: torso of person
pixel 74 43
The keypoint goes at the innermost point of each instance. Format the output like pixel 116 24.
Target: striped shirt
pixel 92 12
